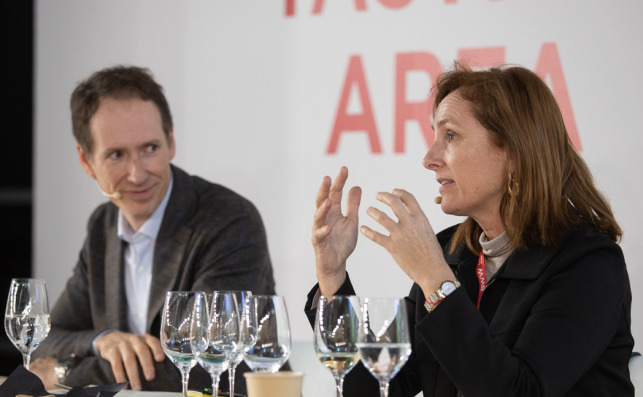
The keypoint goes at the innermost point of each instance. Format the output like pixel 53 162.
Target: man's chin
pixel 137 213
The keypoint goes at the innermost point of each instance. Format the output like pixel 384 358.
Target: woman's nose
pixel 430 160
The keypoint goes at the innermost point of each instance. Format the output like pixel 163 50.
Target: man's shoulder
pixel 105 215
pixel 205 200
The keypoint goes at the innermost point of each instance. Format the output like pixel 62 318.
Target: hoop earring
pixel 513 188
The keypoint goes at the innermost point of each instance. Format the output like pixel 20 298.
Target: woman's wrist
pixel 330 283
pixel 433 283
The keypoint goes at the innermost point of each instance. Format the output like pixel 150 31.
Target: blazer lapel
pixel 116 302
pixel 171 244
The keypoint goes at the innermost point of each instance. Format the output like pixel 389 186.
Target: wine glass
pixel 269 330
pixel 336 335
pixel 384 338
pixel 175 332
pixel 215 333
pixel 243 298
pixel 26 318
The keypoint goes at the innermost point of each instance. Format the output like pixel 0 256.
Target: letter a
pixel 360 5
pixel 363 122
pixel 549 65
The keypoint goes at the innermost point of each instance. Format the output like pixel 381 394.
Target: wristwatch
pixel 446 288
pixel 64 366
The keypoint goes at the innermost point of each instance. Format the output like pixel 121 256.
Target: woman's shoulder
pixel 586 242
pixel 587 238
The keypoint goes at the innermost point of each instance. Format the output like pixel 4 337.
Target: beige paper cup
pixel 279 384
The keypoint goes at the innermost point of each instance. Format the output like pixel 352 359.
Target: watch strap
pixel 438 296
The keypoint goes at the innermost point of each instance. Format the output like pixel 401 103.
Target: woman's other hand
pixel 334 234
pixel 411 241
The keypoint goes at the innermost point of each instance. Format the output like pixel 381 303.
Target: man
pixel 162 230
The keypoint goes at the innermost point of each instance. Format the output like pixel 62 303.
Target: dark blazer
pixel 555 321
pixel 210 238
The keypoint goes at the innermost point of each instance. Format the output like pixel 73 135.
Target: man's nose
pixel 136 172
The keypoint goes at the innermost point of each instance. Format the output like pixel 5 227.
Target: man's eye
pixel 115 155
pixel 152 148
pixel 450 136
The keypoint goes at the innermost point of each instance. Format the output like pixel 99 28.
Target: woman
pixel 529 296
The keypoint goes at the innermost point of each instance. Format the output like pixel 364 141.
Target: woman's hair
pixel 551 189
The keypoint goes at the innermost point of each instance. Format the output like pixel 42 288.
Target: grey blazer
pixel 210 238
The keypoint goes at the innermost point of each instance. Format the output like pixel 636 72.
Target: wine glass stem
pixel 185 373
pixel 215 385
pixel 339 380
pixel 26 359
pixel 231 371
pixel 383 388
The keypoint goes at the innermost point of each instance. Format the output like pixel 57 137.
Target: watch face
pixel 447 287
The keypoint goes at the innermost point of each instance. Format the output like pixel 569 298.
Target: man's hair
pixel 121 83
pixel 551 190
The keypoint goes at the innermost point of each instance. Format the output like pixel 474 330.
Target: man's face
pixel 131 156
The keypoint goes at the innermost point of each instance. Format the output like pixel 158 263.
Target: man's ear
pixel 85 162
pixel 172 144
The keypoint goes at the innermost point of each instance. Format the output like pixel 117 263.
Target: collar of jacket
pixel 527 264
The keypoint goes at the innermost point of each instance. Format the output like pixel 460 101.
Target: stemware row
pixel 375 331
pixel 220 329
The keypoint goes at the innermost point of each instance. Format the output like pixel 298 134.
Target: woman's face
pixel 472 172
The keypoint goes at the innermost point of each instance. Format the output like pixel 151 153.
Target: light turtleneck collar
pixel 496 252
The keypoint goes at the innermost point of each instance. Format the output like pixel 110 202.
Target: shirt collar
pixel 151 226
pixel 499 246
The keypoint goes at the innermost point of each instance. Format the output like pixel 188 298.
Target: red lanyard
pixel 482 278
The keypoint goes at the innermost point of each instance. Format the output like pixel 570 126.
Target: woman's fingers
pixel 409 201
pixel 321 229
pixel 381 218
pixel 322 193
pixel 402 203
pixel 320 234
pixel 376 237
pixel 352 204
pixel 335 193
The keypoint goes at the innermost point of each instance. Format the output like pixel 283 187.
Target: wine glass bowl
pixel 245 339
pixel 215 333
pixel 175 332
pixel 27 321
pixel 269 331
pixel 384 343
pixel 336 335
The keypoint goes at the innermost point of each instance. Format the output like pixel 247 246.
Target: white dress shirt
pixel 138 257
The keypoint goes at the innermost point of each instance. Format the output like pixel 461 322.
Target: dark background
pixel 16 176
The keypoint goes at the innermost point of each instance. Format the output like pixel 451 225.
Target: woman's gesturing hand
pixel 334 234
pixel 411 242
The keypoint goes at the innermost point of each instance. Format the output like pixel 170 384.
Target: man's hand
pixel 124 351
pixel 44 369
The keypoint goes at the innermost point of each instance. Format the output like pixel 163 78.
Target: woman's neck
pixel 492 228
